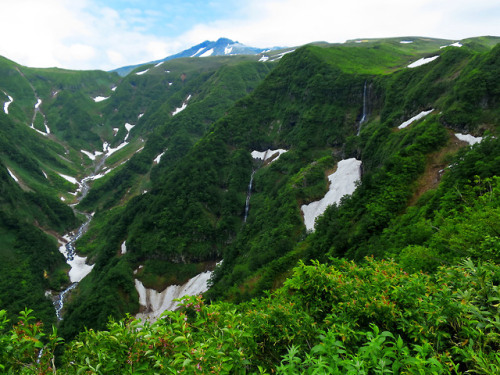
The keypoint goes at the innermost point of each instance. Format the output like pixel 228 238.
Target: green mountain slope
pixel 310 105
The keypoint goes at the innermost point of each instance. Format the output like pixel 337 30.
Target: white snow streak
pixel 155 303
pixel 342 182
pixel 12 175
pixel 415 118
pixel 468 138
pixel 268 154
pixel 280 55
pixel 456 44
pixel 69 178
pixel 406 41
pixel 7 104
pixel 227 50
pixel 264 58
pixel 182 107
pixel 113 88
pixel 141 73
pixel 158 158
pixel 422 61
pixel 207 53
pixel 123 248
pixel 37 105
pixel 157 65
pixel 98 99
pixel 201 49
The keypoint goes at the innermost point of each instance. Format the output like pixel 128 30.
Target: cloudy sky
pixel 106 34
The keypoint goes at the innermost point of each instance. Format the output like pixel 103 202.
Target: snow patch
pixel 422 61
pixel 69 178
pixel 280 55
pixel 264 58
pixel 155 303
pixel 7 104
pixel 123 248
pixel 113 88
pixel 406 41
pixel 471 140
pixel 12 175
pixel 170 83
pixel 207 53
pixel 115 131
pixel 157 65
pixel 227 50
pixel 143 72
pixel 182 107
pixel 79 267
pixel 456 44
pixel 98 99
pixel 37 105
pixel 268 154
pixel 140 115
pixel 342 182
pixel 415 118
pixel 45 174
pixel 158 158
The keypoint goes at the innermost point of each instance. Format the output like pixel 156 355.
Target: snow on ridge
pixel 471 140
pixel 207 53
pixel 12 175
pixel 228 50
pixel 342 182
pixel 422 61
pixel 406 41
pixel 265 155
pixel 456 44
pixel 197 52
pixel 98 99
pixel 155 303
pixel 141 73
pixel 415 118
pixel 182 107
pixel 7 104
pixel 280 55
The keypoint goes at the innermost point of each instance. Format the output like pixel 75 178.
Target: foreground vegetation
pixel 343 318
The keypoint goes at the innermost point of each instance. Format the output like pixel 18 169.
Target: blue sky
pixel 106 34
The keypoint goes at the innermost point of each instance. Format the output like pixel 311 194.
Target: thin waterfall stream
pixel 363 117
pixel 249 193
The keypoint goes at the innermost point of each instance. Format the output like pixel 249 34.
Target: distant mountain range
pixel 221 47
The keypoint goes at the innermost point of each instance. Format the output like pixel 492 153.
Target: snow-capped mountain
pixel 221 47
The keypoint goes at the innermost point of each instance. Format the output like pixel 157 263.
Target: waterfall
pixel 249 193
pixel 363 117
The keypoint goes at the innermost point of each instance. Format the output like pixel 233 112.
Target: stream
pixel 79 268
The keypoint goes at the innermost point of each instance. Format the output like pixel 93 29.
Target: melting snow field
pixel 182 107
pixel 155 303
pixel 79 267
pixel 468 138
pixel 456 44
pixel 342 182
pixel 268 154
pixel 422 61
pixel 415 118
pixel 7 104
pixel 69 178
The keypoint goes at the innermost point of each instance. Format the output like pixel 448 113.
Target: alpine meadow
pixel 325 209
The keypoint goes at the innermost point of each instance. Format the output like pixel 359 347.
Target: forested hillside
pixel 216 165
